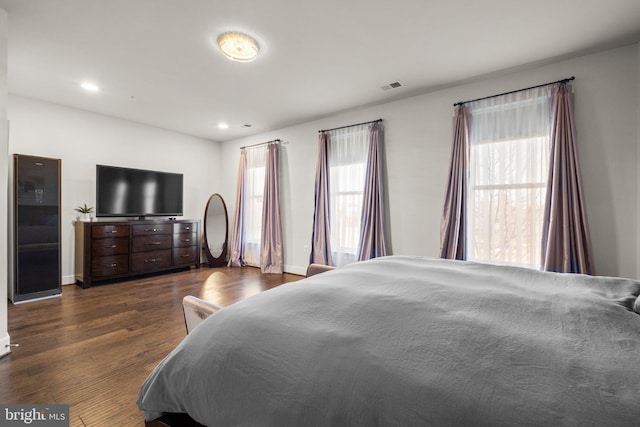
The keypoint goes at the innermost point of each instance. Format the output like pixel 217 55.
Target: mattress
pixel 412 341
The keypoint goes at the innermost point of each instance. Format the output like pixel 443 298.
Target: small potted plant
pixel 86 212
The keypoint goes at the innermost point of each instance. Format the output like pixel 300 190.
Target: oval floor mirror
pixel 216 226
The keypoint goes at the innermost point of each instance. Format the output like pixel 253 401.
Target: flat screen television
pixel 126 192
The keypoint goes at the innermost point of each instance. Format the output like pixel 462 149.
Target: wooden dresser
pixel 120 249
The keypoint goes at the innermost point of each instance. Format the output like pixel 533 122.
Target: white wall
pixel 638 159
pixel 417 144
pixel 82 140
pixel 4 172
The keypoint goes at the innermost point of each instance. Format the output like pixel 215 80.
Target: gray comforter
pixel 409 341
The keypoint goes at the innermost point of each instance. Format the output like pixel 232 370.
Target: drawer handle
pixel 151 243
pixel 186 240
pixel 111 247
pixel 113 231
pixel 186 255
pixel 187 228
pixel 153 230
pixel 111 265
pixel 147 261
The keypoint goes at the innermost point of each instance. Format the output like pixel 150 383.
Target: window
pixel 254 197
pixel 347 171
pixel 508 165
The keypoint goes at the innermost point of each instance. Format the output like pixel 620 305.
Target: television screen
pixel 135 192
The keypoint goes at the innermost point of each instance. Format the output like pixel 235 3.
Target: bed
pixel 412 341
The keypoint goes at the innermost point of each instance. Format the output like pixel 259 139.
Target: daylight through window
pixel 254 196
pixel 347 170
pixel 509 153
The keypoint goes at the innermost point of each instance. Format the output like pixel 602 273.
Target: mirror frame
pixel 222 259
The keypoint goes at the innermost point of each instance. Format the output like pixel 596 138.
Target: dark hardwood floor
pixel 92 348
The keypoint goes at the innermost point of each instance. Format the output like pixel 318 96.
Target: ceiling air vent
pixel 393 85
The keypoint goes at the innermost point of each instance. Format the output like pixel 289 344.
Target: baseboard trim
pixel 69 280
pixel 301 271
pixel 5 345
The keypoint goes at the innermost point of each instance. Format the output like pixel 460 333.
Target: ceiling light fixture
pixel 223 126
pixel 238 46
pixel 89 87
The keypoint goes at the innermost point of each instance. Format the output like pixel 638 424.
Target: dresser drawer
pixel 109 246
pixel 183 240
pixel 150 261
pixel 151 243
pixel 109 265
pixel 100 231
pixel 187 255
pixel 185 227
pixel 110 250
pixel 151 229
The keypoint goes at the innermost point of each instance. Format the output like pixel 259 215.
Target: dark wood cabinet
pixel 185 243
pixel 120 249
pixel 35 267
pixel 107 251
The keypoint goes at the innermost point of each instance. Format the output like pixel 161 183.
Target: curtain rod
pixel 514 91
pixel 260 143
pixel 344 127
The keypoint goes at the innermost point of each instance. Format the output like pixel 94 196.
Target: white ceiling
pixel 156 63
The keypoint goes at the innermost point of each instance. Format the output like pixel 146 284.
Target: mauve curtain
pixel 372 242
pixel 321 237
pixel 236 256
pixel 453 233
pixel 566 243
pixel 271 242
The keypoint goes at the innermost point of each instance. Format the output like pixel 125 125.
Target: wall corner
pixel 4 183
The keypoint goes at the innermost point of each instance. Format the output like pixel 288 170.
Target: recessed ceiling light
pixel 91 87
pixel 238 46
pixel 223 126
